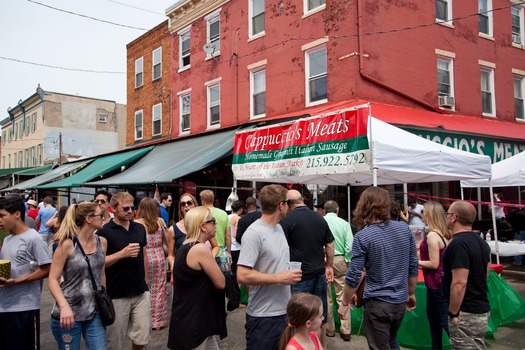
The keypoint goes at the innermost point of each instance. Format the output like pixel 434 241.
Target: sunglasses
pixel 101 215
pixel 183 204
pixel 288 201
pixel 133 208
pixel 100 201
pixel 211 221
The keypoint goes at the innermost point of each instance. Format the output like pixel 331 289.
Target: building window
pixel 485 16
pixel 316 85
pixel 258 92
pixel 487 91
pixel 139 69
pixel 213 33
pixel 156 121
pixel 214 104
pixel 157 63
pixel 102 118
pixel 138 125
pixel 34 122
pixel 184 49
pixel 311 5
pixel 4 138
pixel 185 103
pixel 519 87
pixel 20 159
pixel 444 10
pixel 256 10
pixel 444 71
pixel 517 25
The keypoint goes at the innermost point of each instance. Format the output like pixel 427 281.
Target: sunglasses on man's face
pixel 128 208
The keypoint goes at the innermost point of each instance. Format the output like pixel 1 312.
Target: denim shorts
pixel 316 286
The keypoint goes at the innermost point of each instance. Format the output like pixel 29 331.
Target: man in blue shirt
pixel 387 250
pixel 43 217
pixel 165 204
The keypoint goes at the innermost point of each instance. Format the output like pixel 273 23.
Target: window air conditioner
pixel 446 101
pixel 516 38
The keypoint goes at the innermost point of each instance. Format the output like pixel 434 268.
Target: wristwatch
pixel 451 315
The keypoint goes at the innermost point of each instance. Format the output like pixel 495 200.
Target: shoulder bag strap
pixel 93 282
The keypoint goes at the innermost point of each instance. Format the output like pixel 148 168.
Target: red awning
pixel 412 117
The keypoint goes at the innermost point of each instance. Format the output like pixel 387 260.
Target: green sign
pixel 497 149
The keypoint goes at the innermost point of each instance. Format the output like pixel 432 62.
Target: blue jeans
pixel 437 314
pixel 264 333
pixel 316 286
pixel 520 236
pixel 93 331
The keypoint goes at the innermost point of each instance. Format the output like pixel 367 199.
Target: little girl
pixel 305 316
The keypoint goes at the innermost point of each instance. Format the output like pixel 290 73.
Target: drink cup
pixel 136 248
pixel 294 265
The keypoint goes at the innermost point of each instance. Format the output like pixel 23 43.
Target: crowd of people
pixel 133 253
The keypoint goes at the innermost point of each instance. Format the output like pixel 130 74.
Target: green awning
pixel 173 160
pixel 50 175
pixel 38 170
pixel 98 167
pixel 9 171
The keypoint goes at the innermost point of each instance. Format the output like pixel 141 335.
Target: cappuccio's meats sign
pixel 330 144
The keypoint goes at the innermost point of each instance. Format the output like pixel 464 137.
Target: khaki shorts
pixel 133 319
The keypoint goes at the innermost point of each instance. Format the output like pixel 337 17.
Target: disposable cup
pixel 294 265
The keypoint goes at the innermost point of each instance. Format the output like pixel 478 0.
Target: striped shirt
pixel 388 252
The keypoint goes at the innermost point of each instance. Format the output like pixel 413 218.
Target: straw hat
pixel 32 202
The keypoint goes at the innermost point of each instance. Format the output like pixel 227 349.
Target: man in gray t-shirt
pixel 20 293
pixel 263 264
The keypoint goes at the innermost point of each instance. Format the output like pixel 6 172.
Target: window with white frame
pixel 256 12
pixel 157 63
pixel 102 118
pixel 214 104
pixel 156 120
pixel 139 70
pixel 184 48
pixel 20 159
pixel 258 92
pixel 517 24
pixel 310 5
pixel 4 138
pixel 34 122
pixel 138 125
pixel 316 79
pixel 213 30
pixel 519 87
pixel 185 110
pixel 487 91
pixel 444 10
pixel 485 16
pixel 445 76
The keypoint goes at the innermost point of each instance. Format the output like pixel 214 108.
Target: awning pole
pixel 479 202
pixel 496 245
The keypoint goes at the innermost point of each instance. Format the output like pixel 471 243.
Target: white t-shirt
pixel 265 249
pixel 21 249
pixel 414 219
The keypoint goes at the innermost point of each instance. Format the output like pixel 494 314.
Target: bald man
pixel 465 267
pixel 308 236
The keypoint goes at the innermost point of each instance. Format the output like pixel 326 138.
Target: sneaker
pixel 514 263
pixel 345 337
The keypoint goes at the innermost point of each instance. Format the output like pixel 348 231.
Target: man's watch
pixel 451 315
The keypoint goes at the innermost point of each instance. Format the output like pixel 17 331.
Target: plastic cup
pixel 294 265
pixel 135 245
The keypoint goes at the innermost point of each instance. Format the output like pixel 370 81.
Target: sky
pixel 33 32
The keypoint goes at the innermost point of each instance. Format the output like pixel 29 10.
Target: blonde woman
pixel 74 314
pixel 431 251
pixel 149 215
pixel 198 309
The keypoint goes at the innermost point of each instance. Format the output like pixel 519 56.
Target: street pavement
pixel 507 337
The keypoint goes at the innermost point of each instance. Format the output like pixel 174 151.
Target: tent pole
pixel 254 185
pixel 462 194
pixel 479 201
pixel 519 195
pixel 348 203
pixel 494 221
pixel 405 195
pixel 374 174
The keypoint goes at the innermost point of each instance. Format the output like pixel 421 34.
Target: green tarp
pixel 100 166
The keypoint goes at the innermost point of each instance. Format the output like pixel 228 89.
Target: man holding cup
pixel 263 264
pixel 30 260
pixel 126 275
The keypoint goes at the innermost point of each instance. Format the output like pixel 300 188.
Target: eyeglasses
pixel 447 214
pixel 133 208
pixel 183 204
pixel 100 201
pixel 101 215
pixel 288 201
pixel 211 221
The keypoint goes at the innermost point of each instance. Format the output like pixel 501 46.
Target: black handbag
pixel 105 308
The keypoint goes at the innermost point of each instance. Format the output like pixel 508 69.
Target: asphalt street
pixel 508 337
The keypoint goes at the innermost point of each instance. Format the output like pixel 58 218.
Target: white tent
pixel 388 155
pixel 508 172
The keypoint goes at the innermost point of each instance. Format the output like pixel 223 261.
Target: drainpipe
pixel 380 83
